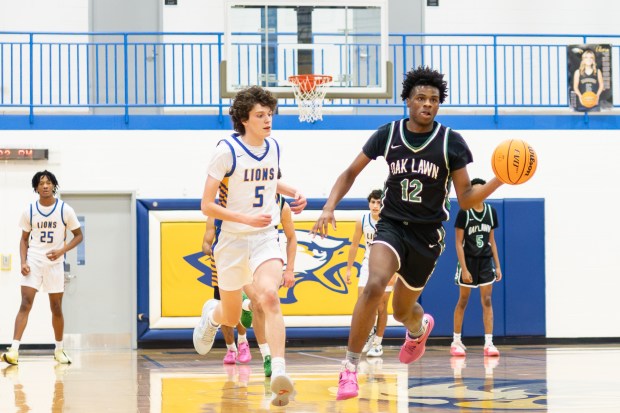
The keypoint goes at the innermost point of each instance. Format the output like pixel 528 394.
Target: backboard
pixel 267 41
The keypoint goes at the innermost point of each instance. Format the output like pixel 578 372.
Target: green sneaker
pixel 267 366
pixel 246 316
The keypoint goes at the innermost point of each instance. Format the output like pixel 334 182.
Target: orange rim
pixel 316 79
pixel 308 83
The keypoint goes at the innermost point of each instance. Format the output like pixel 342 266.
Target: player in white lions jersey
pixel 244 170
pixel 367 226
pixel 42 250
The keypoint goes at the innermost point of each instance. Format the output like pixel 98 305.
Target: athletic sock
pixel 418 333
pixel 278 367
pixel 264 350
pixel 352 361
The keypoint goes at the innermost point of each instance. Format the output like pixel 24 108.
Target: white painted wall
pixel 576 177
pixel 523 16
pixel 451 16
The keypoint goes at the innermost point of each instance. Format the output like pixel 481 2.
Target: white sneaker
pixel 204 332
pixel 61 357
pixel 375 351
pixel 283 390
pixel 369 340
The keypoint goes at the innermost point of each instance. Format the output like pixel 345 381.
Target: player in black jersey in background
pixel 478 266
pixel 424 159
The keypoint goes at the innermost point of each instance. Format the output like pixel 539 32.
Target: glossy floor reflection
pixel 524 379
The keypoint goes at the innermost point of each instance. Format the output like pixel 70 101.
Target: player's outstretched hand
pixel 299 203
pixel 321 226
pixel 259 221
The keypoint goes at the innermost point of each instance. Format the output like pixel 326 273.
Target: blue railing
pixel 163 72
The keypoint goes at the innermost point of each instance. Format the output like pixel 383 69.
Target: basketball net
pixel 310 91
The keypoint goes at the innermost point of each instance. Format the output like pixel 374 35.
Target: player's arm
pixel 207 240
pixel 467 195
pixel 23 252
pixel 53 255
pixel 498 269
pixel 339 190
pixel 459 235
pixel 210 208
pixel 291 245
pixel 355 243
pixel 576 84
pixel 299 201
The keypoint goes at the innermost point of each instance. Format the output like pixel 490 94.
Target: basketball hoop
pixel 310 91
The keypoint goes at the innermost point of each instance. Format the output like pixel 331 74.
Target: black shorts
pixel 417 246
pixel 482 271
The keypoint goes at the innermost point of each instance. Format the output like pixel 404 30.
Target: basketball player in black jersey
pixel 425 158
pixel 478 267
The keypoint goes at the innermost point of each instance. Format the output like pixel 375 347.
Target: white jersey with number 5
pixel 248 180
pixel 48 228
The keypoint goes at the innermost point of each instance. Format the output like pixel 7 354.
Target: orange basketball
pixel 588 99
pixel 514 161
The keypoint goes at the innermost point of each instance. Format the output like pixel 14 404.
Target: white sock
pixel 246 304
pixel 377 341
pixel 59 345
pixel 242 338
pixel 210 318
pixel 418 333
pixel 488 339
pixel 278 367
pixel 15 345
pixel 456 337
pixel 264 350
pixel 232 347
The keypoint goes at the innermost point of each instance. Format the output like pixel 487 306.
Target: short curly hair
pixel 375 194
pixel 244 102
pixel 424 76
pixel 40 175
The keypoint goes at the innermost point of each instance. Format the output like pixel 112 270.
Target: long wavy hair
pixel 582 65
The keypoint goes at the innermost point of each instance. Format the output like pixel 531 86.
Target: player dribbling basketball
pixel 424 158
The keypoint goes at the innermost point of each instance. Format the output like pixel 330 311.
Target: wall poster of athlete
pixel 589 77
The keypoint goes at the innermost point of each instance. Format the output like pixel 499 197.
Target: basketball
pixel 589 99
pixel 514 161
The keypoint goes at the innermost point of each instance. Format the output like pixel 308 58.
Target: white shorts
pixel 364 277
pixel 237 256
pixel 45 277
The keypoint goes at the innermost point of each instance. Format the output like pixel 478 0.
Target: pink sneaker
pixel 230 357
pixel 414 348
pixel 457 349
pixel 347 385
pixel 244 353
pixel 491 350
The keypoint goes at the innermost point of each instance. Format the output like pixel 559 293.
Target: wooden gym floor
pixel 547 378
